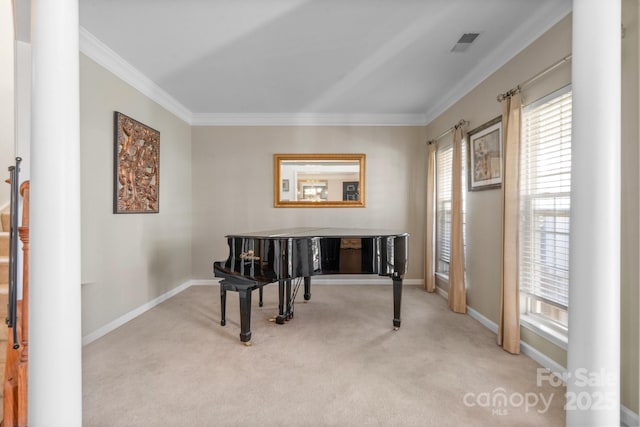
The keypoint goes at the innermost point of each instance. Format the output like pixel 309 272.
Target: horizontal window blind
pixel 545 187
pixel 444 157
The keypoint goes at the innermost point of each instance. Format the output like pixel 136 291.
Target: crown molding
pixel 95 49
pixel 308 119
pixel 526 34
pixel 106 57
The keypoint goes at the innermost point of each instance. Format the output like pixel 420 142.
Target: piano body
pixel 259 258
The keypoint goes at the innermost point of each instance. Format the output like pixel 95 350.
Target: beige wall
pixel 629 238
pixel 6 98
pixel 128 260
pixel 233 184
pixel 484 207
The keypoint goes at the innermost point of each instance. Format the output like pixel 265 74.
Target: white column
pixel 593 386
pixel 55 373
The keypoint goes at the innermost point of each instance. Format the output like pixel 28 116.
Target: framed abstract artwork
pixel 136 176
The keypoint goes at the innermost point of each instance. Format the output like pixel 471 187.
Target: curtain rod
pixel 462 122
pixel 533 79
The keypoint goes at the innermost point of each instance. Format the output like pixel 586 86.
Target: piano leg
pixel 397 300
pixel 260 291
pixel 307 288
pixel 244 293
pixel 285 305
pixel 223 302
pixel 281 304
pixel 288 297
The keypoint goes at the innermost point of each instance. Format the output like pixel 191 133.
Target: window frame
pixel 532 305
pixel 444 149
pixel 443 277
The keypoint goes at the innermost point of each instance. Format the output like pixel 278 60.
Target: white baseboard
pixel 337 280
pixel 627 416
pixel 205 282
pixel 100 332
pixel 486 322
pixel 331 280
pixel 359 280
pixel 525 348
pixel 444 294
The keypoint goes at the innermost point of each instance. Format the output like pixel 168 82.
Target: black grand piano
pixel 291 256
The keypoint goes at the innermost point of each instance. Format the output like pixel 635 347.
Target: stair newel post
pixel 23 308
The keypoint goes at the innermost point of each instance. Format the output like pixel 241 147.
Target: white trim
pixel 539 328
pixel 205 282
pixel 553 95
pixel 333 280
pixel 525 348
pixel 346 280
pixel 544 360
pixel 95 49
pixel 100 332
pixel 486 322
pixel 106 57
pixel 337 280
pixel 514 44
pixel 91 46
pixel 307 119
pixel 444 294
pixel 628 417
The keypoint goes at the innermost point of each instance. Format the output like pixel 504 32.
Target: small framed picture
pixel 485 156
pixel 285 185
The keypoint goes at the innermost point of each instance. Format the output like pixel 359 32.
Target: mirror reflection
pixel 323 180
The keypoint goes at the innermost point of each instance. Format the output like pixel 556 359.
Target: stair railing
pixel 14 402
pixel 14 172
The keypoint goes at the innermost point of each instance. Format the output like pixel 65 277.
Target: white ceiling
pixel 291 61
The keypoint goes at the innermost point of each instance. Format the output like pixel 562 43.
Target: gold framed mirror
pixel 319 180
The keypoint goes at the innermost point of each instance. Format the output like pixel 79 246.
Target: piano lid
pixel 302 232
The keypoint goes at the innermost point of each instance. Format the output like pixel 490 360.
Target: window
pixel 545 188
pixel 444 170
pixel 444 157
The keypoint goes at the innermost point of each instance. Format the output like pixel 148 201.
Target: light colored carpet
pixel 337 363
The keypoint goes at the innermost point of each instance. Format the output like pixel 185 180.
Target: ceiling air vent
pixel 464 42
